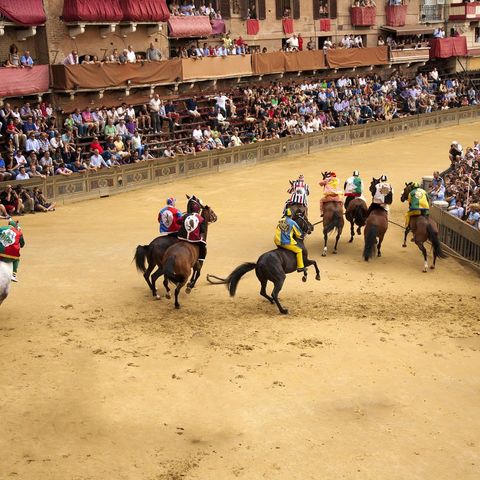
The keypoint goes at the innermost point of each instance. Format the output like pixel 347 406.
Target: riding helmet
pixel 171 201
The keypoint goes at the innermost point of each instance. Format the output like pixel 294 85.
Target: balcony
pixel 410 55
pixel 363 16
pixel 15 82
pixel 448 47
pixel 464 11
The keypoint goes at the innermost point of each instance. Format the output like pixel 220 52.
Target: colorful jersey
pixel 287 230
pixel 169 219
pixel 192 228
pixel 418 199
pixel 11 240
pixel 353 187
pixel 382 189
pixel 299 192
pixel 331 187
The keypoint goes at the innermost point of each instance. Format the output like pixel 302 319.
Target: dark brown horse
pixel 181 257
pixel 356 214
pixel 376 226
pixel 423 229
pixel 332 220
pixel 272 266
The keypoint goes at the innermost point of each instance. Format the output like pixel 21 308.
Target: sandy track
pixel 99 381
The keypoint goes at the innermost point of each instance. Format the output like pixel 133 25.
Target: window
pixel 287 9
pixel 194 7
pixel 254 9
pixel 477 34
pixel 431 11
pixel 324 9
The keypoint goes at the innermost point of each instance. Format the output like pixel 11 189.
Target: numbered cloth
pixel 169 219
pixel 286 232
pixel 11 240
pixel 418 199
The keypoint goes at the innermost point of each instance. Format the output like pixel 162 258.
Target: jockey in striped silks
pixel 299 192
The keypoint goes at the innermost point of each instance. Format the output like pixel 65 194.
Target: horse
pixel 423 229
pixel 356 214
pixel 332 219
pixel 6 271
pixel 153 253
pixel 376 225
pixel 180 258
pixel 272 266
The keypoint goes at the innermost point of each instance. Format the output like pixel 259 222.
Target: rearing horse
pixel 423 229
pixel 181 257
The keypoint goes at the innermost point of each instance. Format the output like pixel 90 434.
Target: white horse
pixel 6 270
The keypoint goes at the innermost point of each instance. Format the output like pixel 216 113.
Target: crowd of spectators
pixel 460 184
pixel 188 8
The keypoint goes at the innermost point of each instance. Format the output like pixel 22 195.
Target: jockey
pixel 383 195
pixel 170 218
pixel 11 241
pixel 418 203
pixel 353 188
pixel 331 190
pixel 299 192
pixel 193 228
pixel 287 231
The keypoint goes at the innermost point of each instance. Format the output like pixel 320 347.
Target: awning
pixel 181 27
pixel 24 12
pixel 145 10
pixel 410 30
pixel 448 47
pixel 24 81
pixel 91 11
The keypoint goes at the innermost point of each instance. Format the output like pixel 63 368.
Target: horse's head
pixel 209 215
pixel 406 191
pixel 375 182
pixel 305 226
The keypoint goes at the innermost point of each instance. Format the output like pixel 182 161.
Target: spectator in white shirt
pixel 292 43
pixel 222 103
pixel 97 161
pixel 72 58
pixel 32 144
pixel 131 57
pixel 22 174
pixel 197 134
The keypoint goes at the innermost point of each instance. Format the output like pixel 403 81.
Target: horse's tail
pixel 236 275
pixel 433 237
pixel 168 271
pixel 359 215
pixel 142 253
pixel 370 242
pixel 334 223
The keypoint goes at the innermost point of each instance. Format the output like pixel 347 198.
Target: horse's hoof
pixel 425 270
pixel 379 254
pixel 168 296
pixel 334 252
pixel 350 241
pixel 188 290
pixel 317 277
pixel 158 297
pixel 324 254
pixel 404 245
pixel 432 267
pixel 304 279
pixel 177 306
pixel 284 311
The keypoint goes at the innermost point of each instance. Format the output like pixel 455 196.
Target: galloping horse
pixel 375 227
pixel 181 257
pixel 356 214
pixel 271 266
pixel 423 229
pixel 332 219
pixel 6 270
pixel 153 255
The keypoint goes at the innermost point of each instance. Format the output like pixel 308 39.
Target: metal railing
pixel 431 13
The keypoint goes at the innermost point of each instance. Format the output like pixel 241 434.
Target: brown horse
pixel 356 214
pixel 181 257
pixel 375 227
pixel 332 219
pixel 423 229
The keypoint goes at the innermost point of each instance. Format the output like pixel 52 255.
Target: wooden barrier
pixel 457 235
pixel 163 170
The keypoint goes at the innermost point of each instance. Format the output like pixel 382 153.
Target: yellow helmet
pixel 288 212
pixel 415 185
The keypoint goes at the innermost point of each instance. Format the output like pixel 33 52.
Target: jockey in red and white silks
pixel 299 192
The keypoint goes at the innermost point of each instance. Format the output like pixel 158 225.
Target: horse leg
pixel 325 238
pixel 424 252
pixel 309 262
pixel 278 284
pixel 146 276
pixel 154 279
pixel 407 231
pixel 337 238
pixel 167 288
pixel 177 291
pixel 352 231
pixel 193 280
pixel 263 290
pixel 379 245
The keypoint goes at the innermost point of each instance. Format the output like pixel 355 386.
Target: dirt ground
pixel 373 375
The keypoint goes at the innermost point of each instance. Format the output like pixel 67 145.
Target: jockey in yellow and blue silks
pixel 285 235
pixel 418 203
